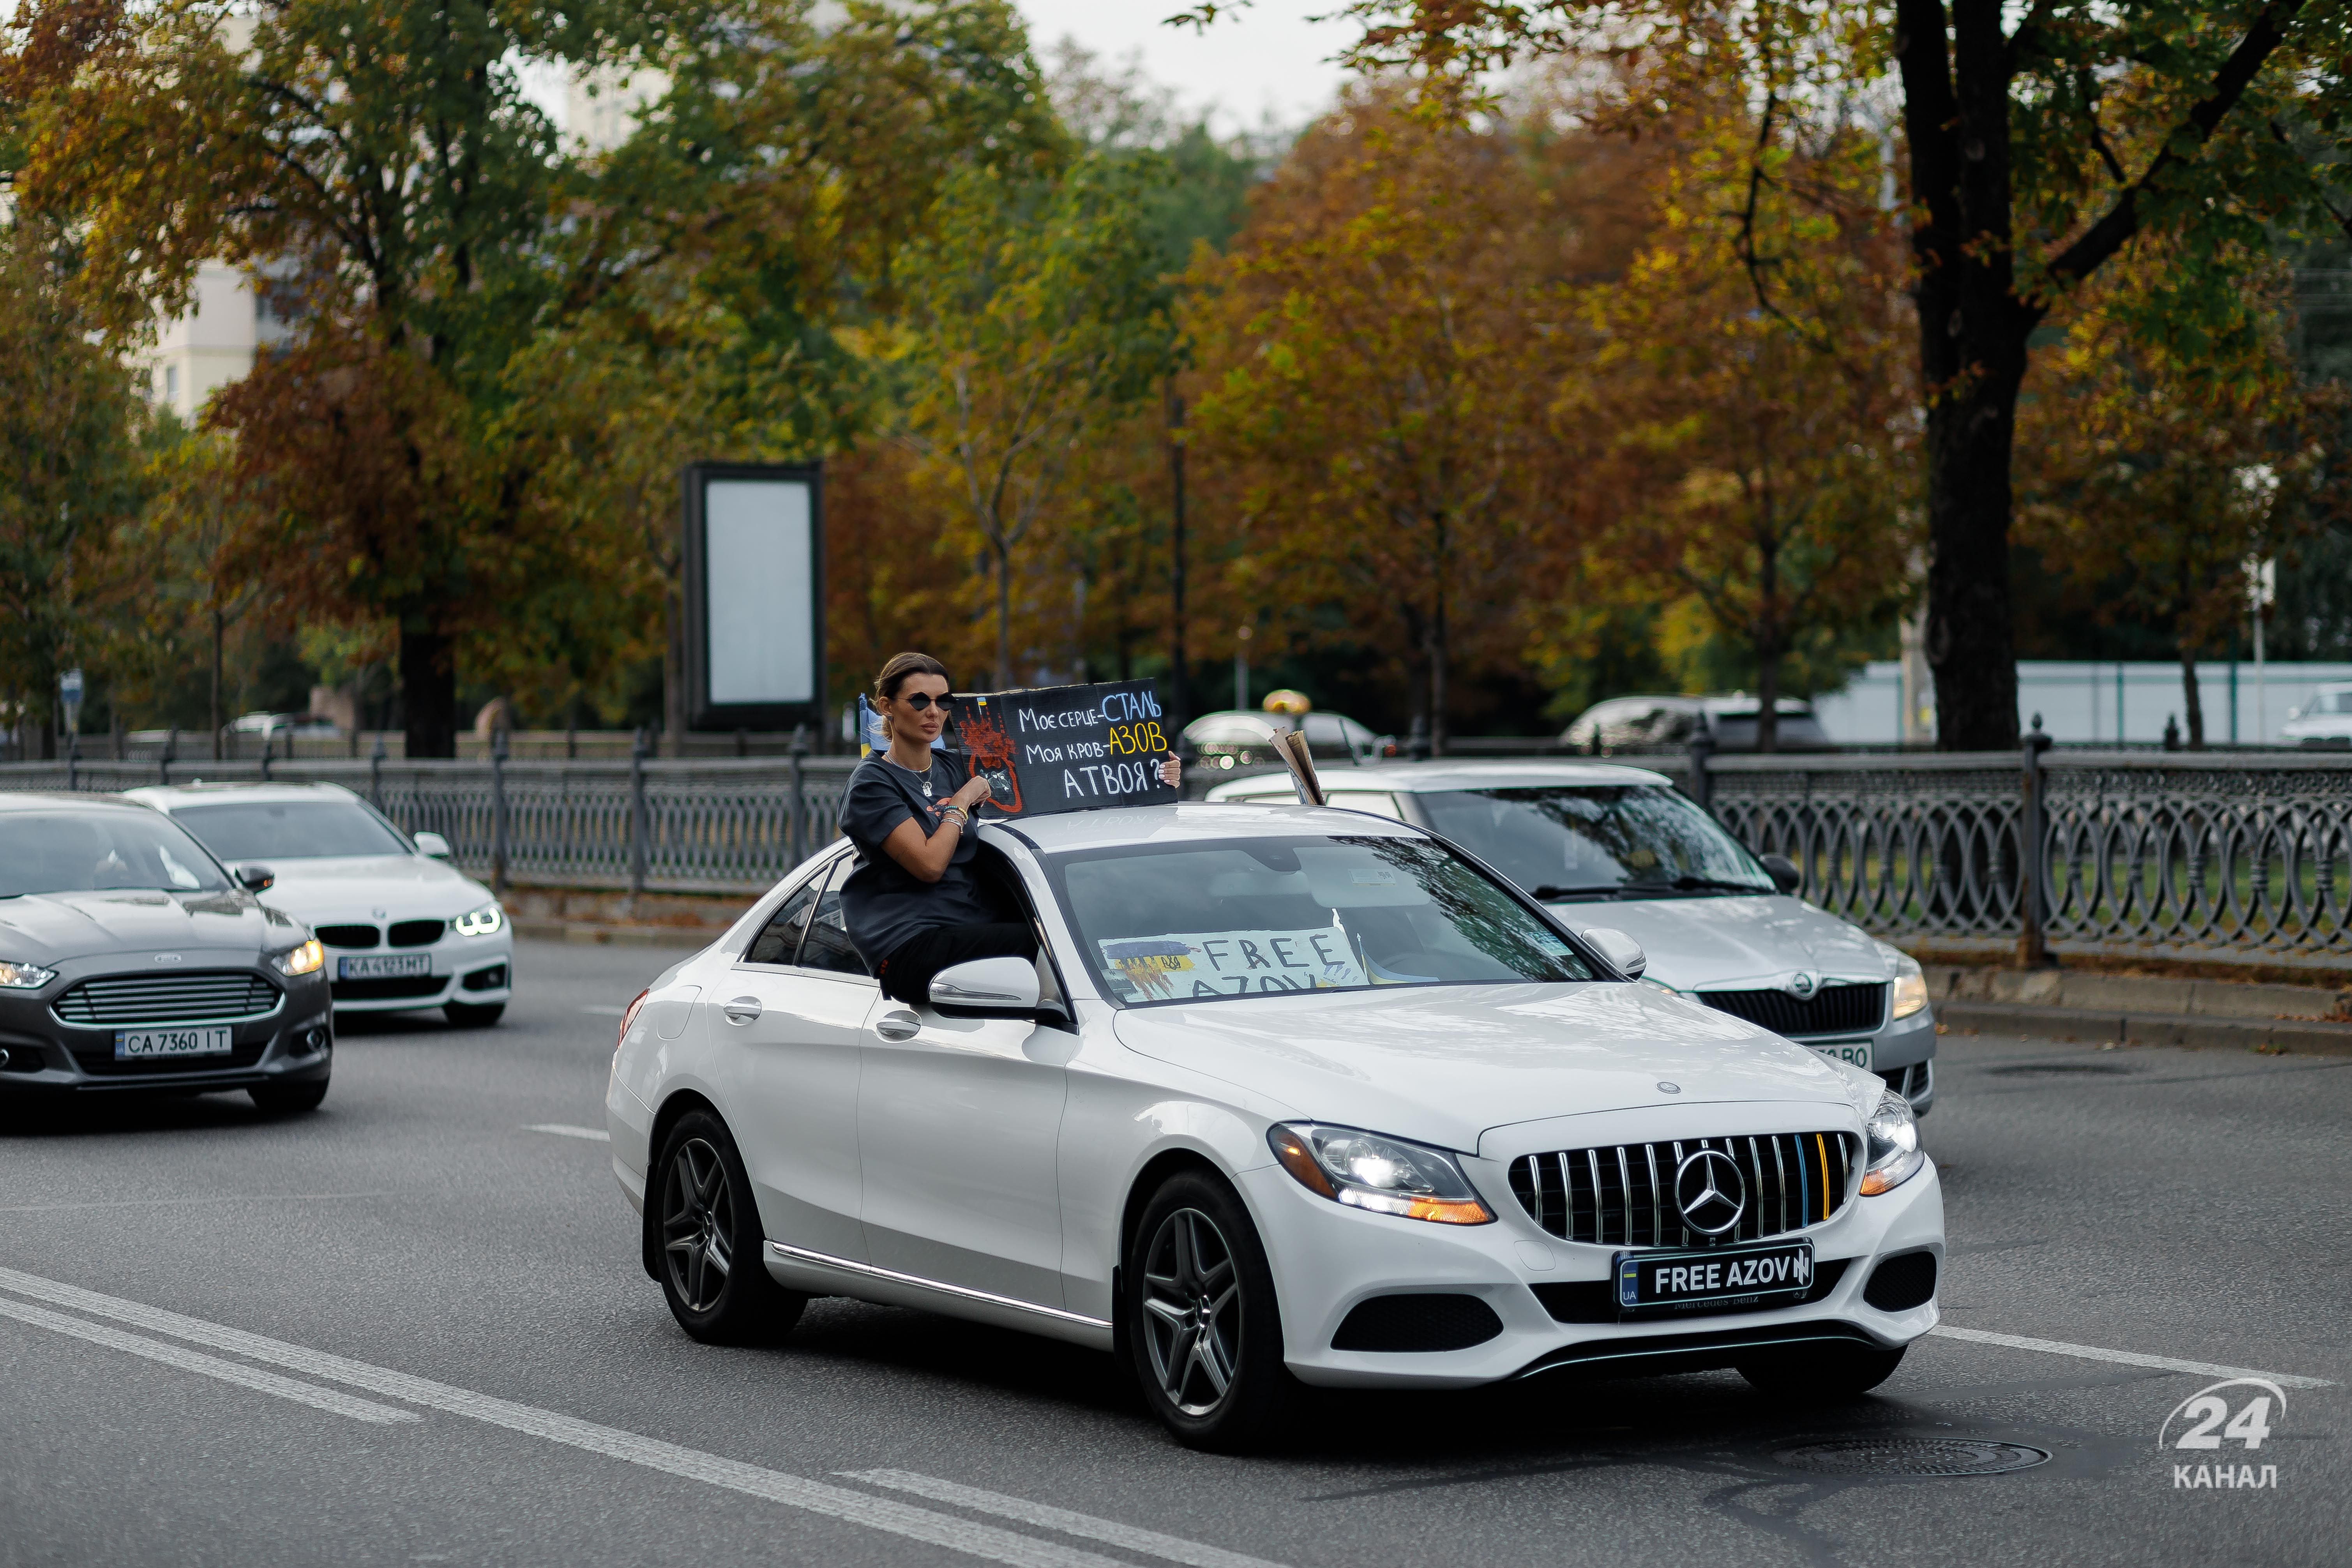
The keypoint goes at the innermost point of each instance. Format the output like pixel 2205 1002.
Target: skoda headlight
pixel 17 975
pixel 306 959
pixel 483 921
pixel 1893 1155
pixel 1910 982
pixel 1386 1175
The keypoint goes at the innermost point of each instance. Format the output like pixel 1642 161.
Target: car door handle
pixel 741 1010
pixel 898 1026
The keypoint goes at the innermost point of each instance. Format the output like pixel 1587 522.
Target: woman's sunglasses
pixel 918 701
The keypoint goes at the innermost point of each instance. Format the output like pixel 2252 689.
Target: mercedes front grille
pixel 1623 1195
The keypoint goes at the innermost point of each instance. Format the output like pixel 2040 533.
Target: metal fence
pixel 2232 856
pixel 645 825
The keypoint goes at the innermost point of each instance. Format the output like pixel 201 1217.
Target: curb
pixel 689 938
pixel 2196 1033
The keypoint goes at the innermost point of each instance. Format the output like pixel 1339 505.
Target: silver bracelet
pixel 956 814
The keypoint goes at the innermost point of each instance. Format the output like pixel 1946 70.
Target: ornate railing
pixel 647 824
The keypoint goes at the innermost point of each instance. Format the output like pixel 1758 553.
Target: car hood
pixel 48 928
pixel 353 888
pixel 1446 1063
pixel 1718 943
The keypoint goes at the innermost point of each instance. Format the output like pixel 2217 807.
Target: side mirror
pixel 1623 954
pixel 1784 872
pixel 432 844
pixel 987 988
pixel 255 879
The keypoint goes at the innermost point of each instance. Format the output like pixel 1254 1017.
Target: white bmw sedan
pixel 1292 1096
pixel 403 929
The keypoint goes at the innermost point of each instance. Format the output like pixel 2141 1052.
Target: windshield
pixel 101 851
pixel 1259 915
pixel 289 829
pixel 1564 841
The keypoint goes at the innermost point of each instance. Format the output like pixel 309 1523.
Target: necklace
pixel 924 778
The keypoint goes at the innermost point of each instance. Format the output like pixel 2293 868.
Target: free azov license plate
pixel 210 1041
pixel 1772 1274
pixel 383 966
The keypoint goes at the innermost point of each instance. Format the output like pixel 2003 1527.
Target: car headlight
pixel 1910 982
pixel 17 975
pixel 481 922
pixel 1386 1175
pixel 306 959
pixel 1894 1154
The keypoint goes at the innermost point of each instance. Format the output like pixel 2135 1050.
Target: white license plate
pixel 1856 1053
pixel 383 966
pixel 211 1041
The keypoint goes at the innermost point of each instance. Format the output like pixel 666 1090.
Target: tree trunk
pixel 1971 640
pixel 220 633
pixel 1004 618
pixel 2192 698
pixel 429 688
pixel 1768 692
pixel 1437 673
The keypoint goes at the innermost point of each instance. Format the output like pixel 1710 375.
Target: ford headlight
pixel 17 975
pixel 306 959
pixel 1386 1175
pixel 484 921
pixel 1894 1154
pixel 1910 982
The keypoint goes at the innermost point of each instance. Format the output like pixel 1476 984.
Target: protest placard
pixel 1065 748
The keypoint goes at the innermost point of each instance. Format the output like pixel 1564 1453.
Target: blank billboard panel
pixel 762 601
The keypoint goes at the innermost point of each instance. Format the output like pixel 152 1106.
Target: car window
pixel 779 940
pixel 1324 730
pixel 1181 922
pixel 1379 803
pixel 1568 840
pixel 289 829
pixel 828 946
pixel 101 851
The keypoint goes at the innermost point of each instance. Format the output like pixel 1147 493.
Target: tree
pixel 1752 379
pixel 1373 355
pixel 70 470
pixel 198 549
pixel 2035 155
pixel 2160 469
pixel 1035 317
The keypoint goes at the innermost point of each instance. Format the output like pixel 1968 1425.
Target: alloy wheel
pixel 699 1226
pixel 1192 1312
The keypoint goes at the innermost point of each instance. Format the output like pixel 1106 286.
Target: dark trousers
pixel 906 975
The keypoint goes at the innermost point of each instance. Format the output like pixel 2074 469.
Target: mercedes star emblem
pixel 1710 1191
pixel 1803 983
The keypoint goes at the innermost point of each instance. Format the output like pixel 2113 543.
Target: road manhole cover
pixel 1912 1456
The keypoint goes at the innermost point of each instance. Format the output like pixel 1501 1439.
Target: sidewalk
pixel 2059 1003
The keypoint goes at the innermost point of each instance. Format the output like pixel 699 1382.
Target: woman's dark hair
pixel 895 673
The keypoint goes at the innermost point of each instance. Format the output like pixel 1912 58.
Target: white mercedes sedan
pixel 403 928
pixel 1292 1096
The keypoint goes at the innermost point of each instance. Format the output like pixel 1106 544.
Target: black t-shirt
pixel 883 903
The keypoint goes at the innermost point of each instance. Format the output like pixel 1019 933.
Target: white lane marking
pixel 2124 1358
pixel 333 1400
pixel 593 1134
pixel 1109 1532
pixel 983 1541
pixel 605 1010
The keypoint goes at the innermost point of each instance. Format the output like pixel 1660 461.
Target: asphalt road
pixel 412 1328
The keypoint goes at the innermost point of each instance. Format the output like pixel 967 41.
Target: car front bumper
pixel 477 971
pixel 1902 1051
pixel 292 1044
pixel 1328 1259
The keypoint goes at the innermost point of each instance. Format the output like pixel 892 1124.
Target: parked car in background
pixel 403 929
pixel 1668 723
pixel 132 959
pixel 1236 737
pixel 2327 722
pixel 1621 848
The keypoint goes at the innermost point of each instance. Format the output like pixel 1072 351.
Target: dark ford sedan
pixel 129 959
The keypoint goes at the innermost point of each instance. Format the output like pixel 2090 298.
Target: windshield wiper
pixel 1688 884
pixel 1547 890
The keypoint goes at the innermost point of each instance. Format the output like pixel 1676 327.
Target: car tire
pixel 1823 1374
pixel 1202 1330
pixel 469 1015
pixel 708 1240
pixel 286 1099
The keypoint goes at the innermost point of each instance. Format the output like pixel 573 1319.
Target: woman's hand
pixel 1171 772
pixel 973 791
